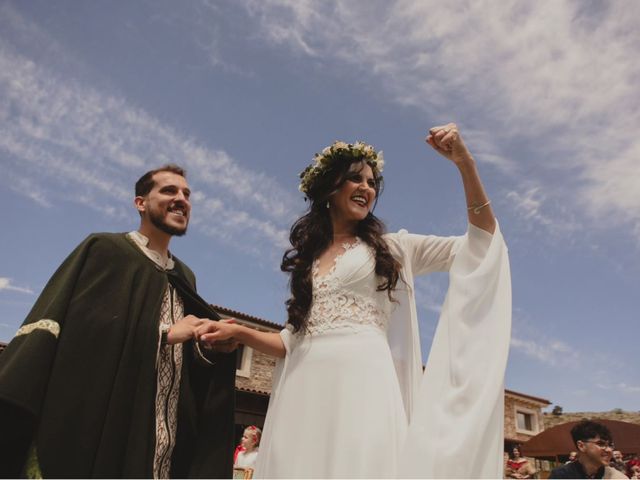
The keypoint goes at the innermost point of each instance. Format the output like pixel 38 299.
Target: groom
pixel 104 378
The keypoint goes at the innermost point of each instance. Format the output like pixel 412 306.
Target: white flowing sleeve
pixel 418 254
pixel 458 410
pixel 425 253
pixel 279 374
pixel 288 339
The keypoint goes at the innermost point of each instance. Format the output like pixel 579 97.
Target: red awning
pixel 557 440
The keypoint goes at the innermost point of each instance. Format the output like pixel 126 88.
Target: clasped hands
pixel 211 334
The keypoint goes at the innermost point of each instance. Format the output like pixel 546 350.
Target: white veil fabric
pixel 457 410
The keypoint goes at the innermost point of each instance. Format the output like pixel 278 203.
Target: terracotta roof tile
pixel 244 316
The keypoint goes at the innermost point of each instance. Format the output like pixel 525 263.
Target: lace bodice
pixel 346 296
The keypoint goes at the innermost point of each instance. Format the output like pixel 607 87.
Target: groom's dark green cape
pixel 85 396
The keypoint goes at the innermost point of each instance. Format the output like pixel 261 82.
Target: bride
pixel 349 395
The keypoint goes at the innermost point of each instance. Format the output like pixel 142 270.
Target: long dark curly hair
pixel 312 234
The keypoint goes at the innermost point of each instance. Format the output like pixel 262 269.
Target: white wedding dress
pixel 343 396
pixel 339 412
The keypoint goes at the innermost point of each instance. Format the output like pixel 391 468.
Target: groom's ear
pixel 140 205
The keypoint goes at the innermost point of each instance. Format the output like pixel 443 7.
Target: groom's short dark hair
pixel 145 183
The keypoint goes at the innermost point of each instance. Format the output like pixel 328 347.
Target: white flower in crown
pixel 380 161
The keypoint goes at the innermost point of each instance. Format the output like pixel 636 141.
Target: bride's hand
pixel 447 141
pixel 221 331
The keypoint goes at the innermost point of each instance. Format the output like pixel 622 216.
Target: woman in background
pixel 519 467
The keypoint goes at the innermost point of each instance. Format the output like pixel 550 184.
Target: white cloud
pixel 559 76
pixel 64 140
pixel 551 352
pixel 628 388
pixel 28 188
pixel 7 284
pixel 529 340
pixel 621 387
pixel 528 204
pixel 486 150
pixel 289 22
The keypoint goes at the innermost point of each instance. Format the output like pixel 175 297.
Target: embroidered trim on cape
pixel 32 466
pixel 167 387
pixel 50 326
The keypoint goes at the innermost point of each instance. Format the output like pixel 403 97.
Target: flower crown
pixel 322 161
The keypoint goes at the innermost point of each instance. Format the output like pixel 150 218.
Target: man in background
pixel 617 462
pixel 594 446
pixel 572 457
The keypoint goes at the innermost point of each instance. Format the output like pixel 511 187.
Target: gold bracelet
pixel 476 208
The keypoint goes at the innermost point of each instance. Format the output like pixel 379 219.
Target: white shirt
pixel 247 460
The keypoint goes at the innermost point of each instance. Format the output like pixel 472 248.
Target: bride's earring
pixel 327 203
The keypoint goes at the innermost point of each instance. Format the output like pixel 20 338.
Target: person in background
pixel 247 453
pixel 633 467
pixel 617 462
pixel 518 466
pixel 572 457
pixel 595 446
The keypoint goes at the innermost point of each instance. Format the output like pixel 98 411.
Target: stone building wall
pixel 262 366
pixel 514 402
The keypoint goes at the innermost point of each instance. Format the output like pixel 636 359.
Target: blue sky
pixel 243 93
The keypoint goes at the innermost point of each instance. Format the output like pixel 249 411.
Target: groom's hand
pixel 218 335
pixel 184 329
